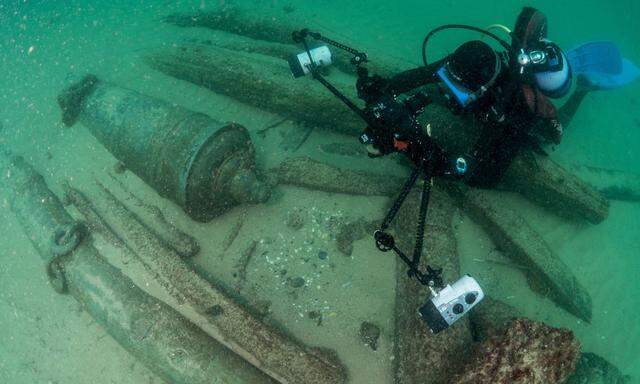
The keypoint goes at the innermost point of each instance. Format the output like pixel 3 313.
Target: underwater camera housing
pixel 451 303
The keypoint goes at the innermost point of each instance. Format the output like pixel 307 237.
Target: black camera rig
pixel 392 126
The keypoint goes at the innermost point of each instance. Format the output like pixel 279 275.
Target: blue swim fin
pixel 599 65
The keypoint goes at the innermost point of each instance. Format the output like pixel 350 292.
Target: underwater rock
pixel 369 334
pixel 234 231
pixel 593 369
pixel 275 27
pixel 547 273
pixel 527 352
pixel 261 81
pixel 243 264
pixel 144 326
pixel 546 183
pixel 420 356
pixel 204 166
pixel 309 173
pixel 611 183
pixel 271 351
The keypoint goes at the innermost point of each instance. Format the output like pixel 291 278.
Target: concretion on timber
pixel 204 166
pixel 510 232
pixel 261 81
pixel 268 349
pixel 309 173
pixel 166 342
pixel 526 352
pixel 421 356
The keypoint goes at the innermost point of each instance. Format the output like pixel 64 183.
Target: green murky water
pixel 44 45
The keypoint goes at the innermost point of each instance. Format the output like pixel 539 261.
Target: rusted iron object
pixel 421 356
pixel 204 166
pixel 546 272
pixel 278 355
pixel 166 342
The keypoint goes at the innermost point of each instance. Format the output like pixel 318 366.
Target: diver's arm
pixel 413 78
pixel 569 109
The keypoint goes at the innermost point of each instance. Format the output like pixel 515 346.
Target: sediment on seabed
pixel 166 342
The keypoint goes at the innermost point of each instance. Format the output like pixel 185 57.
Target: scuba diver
pixel 504 95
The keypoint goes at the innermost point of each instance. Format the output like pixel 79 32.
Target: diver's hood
pixel 553 75
pixel 531 27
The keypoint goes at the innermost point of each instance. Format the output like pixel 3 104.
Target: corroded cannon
pixel 166 342
pixel 202 165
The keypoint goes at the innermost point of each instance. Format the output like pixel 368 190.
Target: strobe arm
pixel 358 56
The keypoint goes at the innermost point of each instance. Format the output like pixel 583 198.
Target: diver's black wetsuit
pixel 508 123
